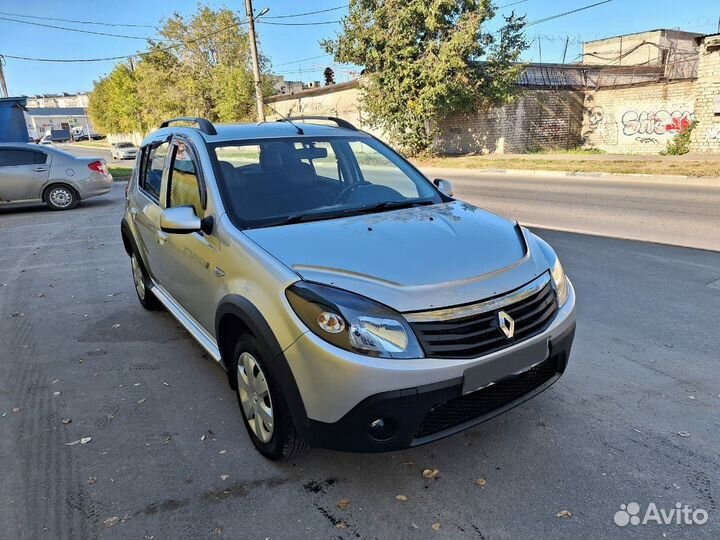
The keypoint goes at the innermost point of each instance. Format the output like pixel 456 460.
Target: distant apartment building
pixel 286 87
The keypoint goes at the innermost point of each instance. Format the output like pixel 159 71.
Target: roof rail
pixel 339 121
pixel 206 126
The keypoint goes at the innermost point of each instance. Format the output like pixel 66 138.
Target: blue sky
pixel 286 43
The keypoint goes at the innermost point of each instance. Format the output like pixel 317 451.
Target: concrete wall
pixel 536 120
pixel 638 119
pixel 706 135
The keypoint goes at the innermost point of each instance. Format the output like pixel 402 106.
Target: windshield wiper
pixel 394 205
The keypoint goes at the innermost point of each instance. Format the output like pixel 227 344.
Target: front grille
pixel 459 410
pixel 480 334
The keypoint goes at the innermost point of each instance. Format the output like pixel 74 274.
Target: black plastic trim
pixel 242 308
pixel 204 125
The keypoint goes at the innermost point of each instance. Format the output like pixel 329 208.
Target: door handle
pixel 40 169
pixel 162 237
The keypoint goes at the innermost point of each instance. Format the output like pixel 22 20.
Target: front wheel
pixel 147 298
pixel 61 197
pixel 265 412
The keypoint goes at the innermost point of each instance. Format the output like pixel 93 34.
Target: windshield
pixel 289 180
pixel 124 145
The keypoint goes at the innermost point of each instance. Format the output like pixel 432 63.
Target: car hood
pixel 410 259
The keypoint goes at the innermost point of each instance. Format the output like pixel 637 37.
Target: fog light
pixel 382 429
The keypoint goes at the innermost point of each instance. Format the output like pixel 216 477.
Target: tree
pixel 424 59
pixel 201 68
pixel 114 102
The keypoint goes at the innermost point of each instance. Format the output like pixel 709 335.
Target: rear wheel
pixel 147 298
pixel 61 197
pixel 265 412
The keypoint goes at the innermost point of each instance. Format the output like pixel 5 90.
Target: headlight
pixel 560 280
pixel 556 270
pixel 353 322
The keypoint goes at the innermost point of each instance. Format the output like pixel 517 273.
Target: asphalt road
pixel 634 419
pixel 647 208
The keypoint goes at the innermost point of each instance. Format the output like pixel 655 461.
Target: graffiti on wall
pixel 713 134
pixel 600 127
pixel 659 122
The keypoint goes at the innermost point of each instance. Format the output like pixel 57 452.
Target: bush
pixel 680 143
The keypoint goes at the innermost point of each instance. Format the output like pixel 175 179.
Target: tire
pixel 61 197
pixel 257 390
pixel 142 286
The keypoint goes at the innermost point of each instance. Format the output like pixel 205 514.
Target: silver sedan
pixel 31 172
pixel 124 150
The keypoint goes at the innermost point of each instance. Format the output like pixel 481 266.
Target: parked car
pixel 124 150
pixel 46 142
pixel 40 172
pixel 354 304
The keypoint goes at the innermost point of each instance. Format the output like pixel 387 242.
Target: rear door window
pixel 151 179
pixel 12 157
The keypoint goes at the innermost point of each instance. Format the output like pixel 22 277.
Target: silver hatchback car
pixel 354 304
pixel 32 172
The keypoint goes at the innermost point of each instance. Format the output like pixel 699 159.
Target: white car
pixel 124 150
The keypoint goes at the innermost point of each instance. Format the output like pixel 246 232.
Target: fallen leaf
pixel 116 325
pixel 343 503
pixel 683 433
pixel 85 440
pixel 110 522
pixel 480 482
pixel 223 451
pixel 340 525
pixel 224 476
pixel 66 420
pixel 56 393
pixel 91 480
pixel 436 526
pixel 167 440
pixel 141 401
pixel 72 443
pixel 16 409
pixel 166 384
pixel 203 437
pixel 564 514
pixel 136 384
pixel 401 497
pixel 430 473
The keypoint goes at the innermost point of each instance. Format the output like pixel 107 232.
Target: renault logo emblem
pixel 506 324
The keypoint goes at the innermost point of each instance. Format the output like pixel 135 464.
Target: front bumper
pixel 421 400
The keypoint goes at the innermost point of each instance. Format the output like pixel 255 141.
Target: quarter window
pixel 184 187
pixel 152 179
pixel 14 157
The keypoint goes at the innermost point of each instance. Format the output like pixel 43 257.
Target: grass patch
pixel 92 144
pixel 684 167
pixel 121 173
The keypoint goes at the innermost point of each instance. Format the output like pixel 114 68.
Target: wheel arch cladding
pixel 237 315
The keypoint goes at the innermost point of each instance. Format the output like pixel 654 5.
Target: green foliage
pixel 425 59
pixel 680 143
pixel 207 74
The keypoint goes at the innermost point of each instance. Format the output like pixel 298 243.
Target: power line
pixel 106 34
pixel 76 21
pixel 311 12
pixel 125 57
pixel 558 15
pixel 300 24
pixel 302 60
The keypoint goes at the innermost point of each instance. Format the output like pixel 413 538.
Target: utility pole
pixel 254 54
pixel 3 85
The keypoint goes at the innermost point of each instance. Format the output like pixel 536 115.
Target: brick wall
pixel 706 135
pixel 536 120
pixel 638 119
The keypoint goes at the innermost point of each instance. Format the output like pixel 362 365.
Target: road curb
pixel 544 173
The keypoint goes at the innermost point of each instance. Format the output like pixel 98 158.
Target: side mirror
pixel 180 220
pixel 445 186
